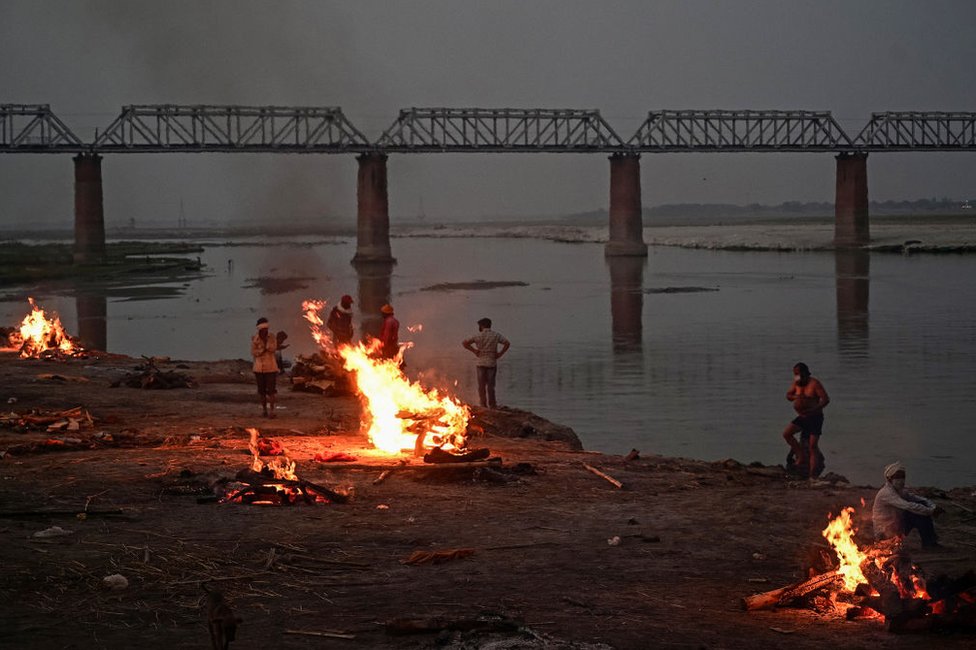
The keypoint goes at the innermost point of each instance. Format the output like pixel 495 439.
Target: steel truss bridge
pixel 34 128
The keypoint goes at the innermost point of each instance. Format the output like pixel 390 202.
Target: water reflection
pixel 627 302
pixel 852 270
pixel 92 312
pixel 374 292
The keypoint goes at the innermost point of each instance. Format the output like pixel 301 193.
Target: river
pixel 687 353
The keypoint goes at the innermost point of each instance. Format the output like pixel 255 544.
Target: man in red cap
pixel 340 321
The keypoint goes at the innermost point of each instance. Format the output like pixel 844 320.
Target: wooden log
pixel 331 634
pixel 783 595
pixel 253 478
pixel 605 477
pixel 385 474
pixel 438 455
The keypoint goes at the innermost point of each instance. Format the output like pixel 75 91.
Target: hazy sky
pixel 89 58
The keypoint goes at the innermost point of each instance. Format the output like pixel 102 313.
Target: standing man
pixel 897 511
pixel 484 345
pixel 340 321
pixel 263 347
pixel 390 333
pixel 809 399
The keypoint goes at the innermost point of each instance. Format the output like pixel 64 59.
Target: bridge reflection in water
pixel 627 302
pixel 92 310
pixel 852 272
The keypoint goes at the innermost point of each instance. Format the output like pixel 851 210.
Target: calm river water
pixel 688 353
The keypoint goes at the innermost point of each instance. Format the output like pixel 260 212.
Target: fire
pixel 39 334
pixel 399 414
pixel 840 533
pixel 281 468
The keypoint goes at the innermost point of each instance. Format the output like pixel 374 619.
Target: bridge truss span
pixel 918 131
pixel 260 129
pixel 419 130
pixel 34 128
pixel 744 130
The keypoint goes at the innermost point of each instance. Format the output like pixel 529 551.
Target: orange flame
pixel 39 334
pixel 312 309
pixel 840 533
pixel 398 413
pixel 282 468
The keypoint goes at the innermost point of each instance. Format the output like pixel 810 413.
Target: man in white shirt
pixel 263 348
pixel 897 511
pixel 484 345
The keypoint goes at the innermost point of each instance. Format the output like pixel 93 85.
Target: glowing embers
pixel 42 336
pixel 398 414
pixel 275 482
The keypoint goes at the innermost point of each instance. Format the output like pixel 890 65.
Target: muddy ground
pixel 694 537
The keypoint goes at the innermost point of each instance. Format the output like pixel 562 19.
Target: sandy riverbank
pixel 694 537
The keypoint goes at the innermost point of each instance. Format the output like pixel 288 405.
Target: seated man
pixel 897 511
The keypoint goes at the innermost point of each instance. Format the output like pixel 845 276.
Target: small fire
pixel 840 533
pixel 281 468
pixel 39 334
pixel 400 414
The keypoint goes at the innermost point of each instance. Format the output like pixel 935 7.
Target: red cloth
pixel 390 336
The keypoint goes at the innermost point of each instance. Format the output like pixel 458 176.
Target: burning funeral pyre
pixel 881 582
pixel 398 414
pixel 275 482
pixel 40 336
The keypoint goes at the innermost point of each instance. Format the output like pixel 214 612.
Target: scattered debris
pixel 115 582
pixel 53 531
pixel 604 476
pixel 331 634
pixel 72 419
pixel 334 457
pixel 148 375
pixel 438 557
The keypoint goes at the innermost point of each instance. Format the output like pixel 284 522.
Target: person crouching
pixel 896 511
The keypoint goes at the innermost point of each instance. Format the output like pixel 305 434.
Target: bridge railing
pixel 419 130
pixel 33 128
pixel 744 130
pixel 159 128
pixel 918 131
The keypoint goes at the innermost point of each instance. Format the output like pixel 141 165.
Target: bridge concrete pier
pixel 89 215
pixel 373 211
pixel 626 220
pixel 851 228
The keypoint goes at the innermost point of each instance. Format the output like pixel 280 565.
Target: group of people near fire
pixel 896 511
pixel 487 345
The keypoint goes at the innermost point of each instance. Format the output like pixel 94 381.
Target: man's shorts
pixel 810 425
pixel 267 383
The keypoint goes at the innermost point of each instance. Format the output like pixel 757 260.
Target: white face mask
pixel 898 484
pixel 796 378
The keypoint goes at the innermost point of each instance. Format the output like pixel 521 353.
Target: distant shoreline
pixel 937 233
pixel 400 226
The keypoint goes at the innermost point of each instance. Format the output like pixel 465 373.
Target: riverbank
pixel 899 235
pixel 536 549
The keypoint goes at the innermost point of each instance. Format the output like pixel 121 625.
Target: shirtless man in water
pixel 809 399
